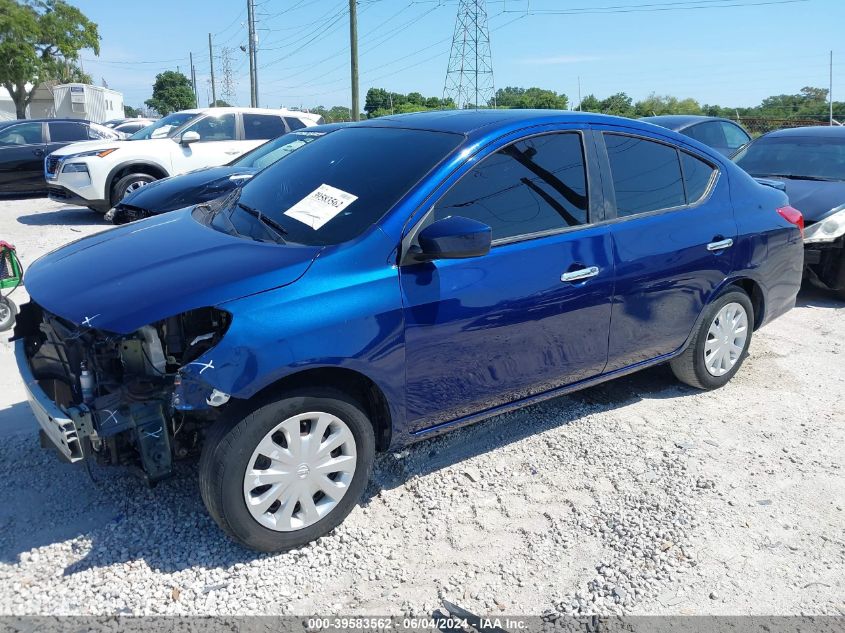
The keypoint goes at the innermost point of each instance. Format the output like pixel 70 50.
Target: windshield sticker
pixel 320 206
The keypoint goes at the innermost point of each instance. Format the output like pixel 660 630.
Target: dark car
pixel 204 185
pixel 25 143
pixel 723 135
pixel 810 161
pixel 396 279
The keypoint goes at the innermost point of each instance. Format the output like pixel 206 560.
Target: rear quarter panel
pixel 769 249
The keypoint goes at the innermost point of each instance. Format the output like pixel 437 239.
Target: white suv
pixel 98 174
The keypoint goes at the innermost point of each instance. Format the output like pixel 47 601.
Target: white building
pixel 68 101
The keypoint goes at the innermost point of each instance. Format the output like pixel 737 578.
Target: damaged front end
pixel 120 399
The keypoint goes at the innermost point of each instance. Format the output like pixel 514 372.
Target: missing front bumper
pixel 64 429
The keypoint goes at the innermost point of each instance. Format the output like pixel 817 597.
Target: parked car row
pixel 99 174
pixel 385 282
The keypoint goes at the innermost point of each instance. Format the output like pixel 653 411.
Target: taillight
pixel 793 216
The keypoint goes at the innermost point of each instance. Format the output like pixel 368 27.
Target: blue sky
pixel 730 55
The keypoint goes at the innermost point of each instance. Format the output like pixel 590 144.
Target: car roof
pixel 13 121
pixel 475 124
pixel 679 122
pixel 277 111
pixel 830 131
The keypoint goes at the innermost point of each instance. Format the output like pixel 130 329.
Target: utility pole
pixel 830 89
pixel 194 80
pixel 579 93
pixel 253 70
pixel 353 45
pixel 211 61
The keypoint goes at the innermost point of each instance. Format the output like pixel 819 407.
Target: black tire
pixel 689 367
pixel 8 310
pixel 127 184
pixel 228 449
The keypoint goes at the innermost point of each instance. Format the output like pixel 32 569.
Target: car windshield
pixel 331 191
pixel 799 157
pixel 275 150
pixel 163 127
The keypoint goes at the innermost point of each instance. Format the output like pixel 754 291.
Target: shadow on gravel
pixel 432 455
pixel 65 217
pixel 812 297
pixel 116 519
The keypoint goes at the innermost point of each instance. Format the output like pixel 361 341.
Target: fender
pixel 127 163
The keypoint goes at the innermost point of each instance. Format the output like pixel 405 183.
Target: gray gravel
pixel 640 496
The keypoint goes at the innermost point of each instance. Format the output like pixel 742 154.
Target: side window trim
pixel 610 192
pixel 491 149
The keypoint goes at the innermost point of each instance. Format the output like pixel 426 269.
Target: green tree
pixel 220 103
pixel 171 92
pixel 130 113
pixel 376 99
pixel 513 97
pixel 38 39
pixel 590 103
pixel 619 104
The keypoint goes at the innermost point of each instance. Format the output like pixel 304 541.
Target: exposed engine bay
pixel 122 391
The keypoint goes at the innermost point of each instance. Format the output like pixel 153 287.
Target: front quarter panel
pixel 345 313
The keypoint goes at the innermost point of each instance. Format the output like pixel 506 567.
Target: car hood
pixel 188 189
pixel 88 146
pixel 127 277
pixel 814 199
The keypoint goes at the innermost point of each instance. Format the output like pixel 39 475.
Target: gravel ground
pixel 640 496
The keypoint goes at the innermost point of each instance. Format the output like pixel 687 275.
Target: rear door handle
pixel 38 152
pixel 580 275
pixel 232 152
pixel 720 245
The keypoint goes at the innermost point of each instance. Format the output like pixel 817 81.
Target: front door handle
pixel 581 274
pixel 720 245
pixel 38 152
pixel 232 152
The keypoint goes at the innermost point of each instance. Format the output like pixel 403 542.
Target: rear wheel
pixel 289 471
pixel 128 184
pixel 719 345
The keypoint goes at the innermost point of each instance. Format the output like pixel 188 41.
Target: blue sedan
pixel 391 281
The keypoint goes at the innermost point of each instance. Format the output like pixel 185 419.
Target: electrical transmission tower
pixel 469 77
pixel 229 86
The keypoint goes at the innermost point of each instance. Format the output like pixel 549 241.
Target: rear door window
pixel 67 131
pixel 262 127
pixel 531 186
pixel 646 175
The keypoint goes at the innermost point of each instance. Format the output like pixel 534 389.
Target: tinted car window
pixel 214 128
pixel 163 127
pixel 534 185
pixel 797 156
pixel 372 164
pixel 734 136
pixel 708 133
pixel 259 127
pixel 294 123
pixel 21 134
pixel 646 175
pixel 98 132
pixel 697 176
pixel 64 131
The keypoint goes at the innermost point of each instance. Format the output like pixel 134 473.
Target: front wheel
pixel 719 345
pixel 289 471
pixel 128 184
pixel 7 314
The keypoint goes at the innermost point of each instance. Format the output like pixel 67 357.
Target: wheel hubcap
pixel 726 339
pixel 134 186
pixel 300 471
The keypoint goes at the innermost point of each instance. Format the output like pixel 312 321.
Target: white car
pixel 98 174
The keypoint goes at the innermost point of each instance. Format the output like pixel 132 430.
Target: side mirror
pixel 454 237
pixel 189 137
